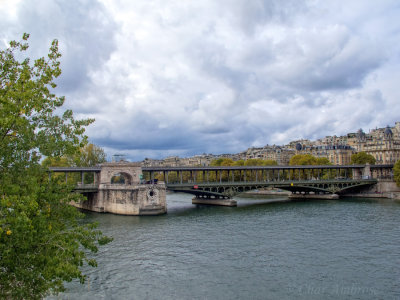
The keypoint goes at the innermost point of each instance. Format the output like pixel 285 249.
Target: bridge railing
pixel 266 173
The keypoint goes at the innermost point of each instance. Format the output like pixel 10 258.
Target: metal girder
pixel 230 189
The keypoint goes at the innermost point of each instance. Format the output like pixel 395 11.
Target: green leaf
pixel 43 240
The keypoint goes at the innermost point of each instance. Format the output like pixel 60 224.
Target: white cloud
pixel 187 77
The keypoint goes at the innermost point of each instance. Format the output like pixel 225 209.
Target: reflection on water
pixel 266 248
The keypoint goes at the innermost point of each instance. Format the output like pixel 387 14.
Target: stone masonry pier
pixel 118 188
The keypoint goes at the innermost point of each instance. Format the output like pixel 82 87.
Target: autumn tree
pixel 362 158
pixel 322 161
pixel 87 156
pixel 302 160
pixel 42 242
pixel 221 162
pixel 251 175
pixel 309 160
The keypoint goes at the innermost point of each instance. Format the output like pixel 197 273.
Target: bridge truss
pixel 230 189
pixel 225 182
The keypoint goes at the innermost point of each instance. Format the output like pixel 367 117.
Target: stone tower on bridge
pixel 128 195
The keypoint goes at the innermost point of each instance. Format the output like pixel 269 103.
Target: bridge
pixel 225 182
pixel 226 190
pixel 214 185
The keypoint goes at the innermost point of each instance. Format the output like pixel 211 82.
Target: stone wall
pixel 144 199
pixel 383 189
pixel 131 172
pixel 129 198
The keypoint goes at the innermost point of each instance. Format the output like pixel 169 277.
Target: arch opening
pixel 121 178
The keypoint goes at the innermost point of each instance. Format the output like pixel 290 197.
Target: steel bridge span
pixel 227 190
pixel 225 182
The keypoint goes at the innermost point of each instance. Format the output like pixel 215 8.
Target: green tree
pixel 42 241
pixel 56 162
pixel 239 163
pixel 61 162
pixel 221 162
pixel 322 161
pixel 302 160
pixel 308 160
pixel 396 172
pixel 251 175
pixel 362 158
pixel 89 155
pixel 270 162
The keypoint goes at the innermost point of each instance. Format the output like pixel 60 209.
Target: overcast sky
pixel 188 77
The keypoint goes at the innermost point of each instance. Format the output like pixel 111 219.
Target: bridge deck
pixel 228 189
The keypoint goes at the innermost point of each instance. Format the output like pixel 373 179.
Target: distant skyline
pixel 182 78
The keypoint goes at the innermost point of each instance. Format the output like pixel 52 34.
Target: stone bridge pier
pixel 121 191
pixel 364 173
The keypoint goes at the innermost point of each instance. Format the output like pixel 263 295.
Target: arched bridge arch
pixel 130 171
pixel 121 177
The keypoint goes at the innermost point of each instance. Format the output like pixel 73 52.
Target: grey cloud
pixel 165 78
pixel 250 15
pixel 85 32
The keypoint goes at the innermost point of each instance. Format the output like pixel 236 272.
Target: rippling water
pixel 262 249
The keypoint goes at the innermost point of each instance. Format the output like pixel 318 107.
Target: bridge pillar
pixel 130 198
pixel 357 173
pixel 367 171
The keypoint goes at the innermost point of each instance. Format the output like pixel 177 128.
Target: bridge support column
pixel 366 171
pixel 214 201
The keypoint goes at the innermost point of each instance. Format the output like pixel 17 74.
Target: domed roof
pixel 388 132
pixel 360 134
pixel 299 147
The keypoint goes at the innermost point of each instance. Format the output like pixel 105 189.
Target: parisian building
pixel 382 143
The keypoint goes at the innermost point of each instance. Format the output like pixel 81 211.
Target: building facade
pixel 382 143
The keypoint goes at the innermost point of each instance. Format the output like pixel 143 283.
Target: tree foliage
pixel 228 162
pixel 362 158
pixel 87 156
pixel 260 162
pixel 308 160
pixel 302 159
pixel 42 243
pixel 221 162
pixel 396 172
pixel 322 161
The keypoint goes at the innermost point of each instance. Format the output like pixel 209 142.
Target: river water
pixel 266 248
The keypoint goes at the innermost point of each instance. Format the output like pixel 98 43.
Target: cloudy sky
pixel 182 77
